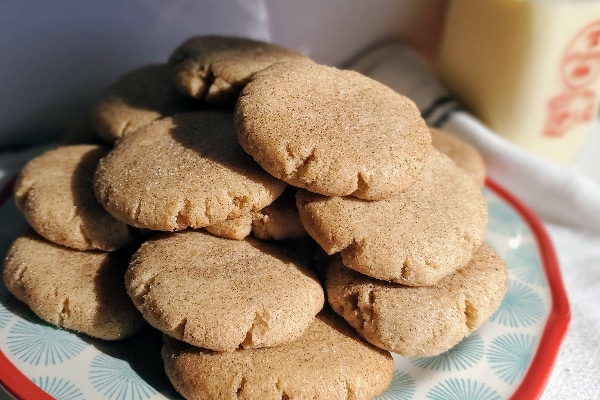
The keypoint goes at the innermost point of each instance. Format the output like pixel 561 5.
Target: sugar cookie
pixel 215 68
pixel 279 220
pixel 183 171
pixel 78 290
pixel 419 321
pixel 462 153
pixel 237 228
pixel 414 238
pixel 55 194
pixel 135 100
pixel 328 362
pixel 331 131
pixel 222 294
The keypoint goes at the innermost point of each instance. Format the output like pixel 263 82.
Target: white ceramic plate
pixel 509 356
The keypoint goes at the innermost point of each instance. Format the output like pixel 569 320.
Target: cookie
pixel 279 220
pixel 464 155
pixel 183 171
pixel 79 130
pixel 54 191
pixel 419 321
pixel 81 291
pixel 237 228
pixel 330 131
pixel 135 100
pixel 222 294
pixel 414 238
pixel 215 68
pixel 328 362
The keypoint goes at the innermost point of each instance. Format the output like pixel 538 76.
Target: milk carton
pixel 530 69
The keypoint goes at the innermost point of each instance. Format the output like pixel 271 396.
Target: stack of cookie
pixel 69 268
pixel 411 272
pixel 210 164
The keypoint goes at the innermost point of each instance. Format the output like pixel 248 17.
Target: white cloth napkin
pixel 566 202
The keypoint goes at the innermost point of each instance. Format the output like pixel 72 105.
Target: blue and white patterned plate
pixel 509 356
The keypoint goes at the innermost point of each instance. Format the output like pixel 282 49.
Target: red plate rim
pixel 12 380
pixel 534 381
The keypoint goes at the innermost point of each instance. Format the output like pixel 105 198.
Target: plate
pixel 510 356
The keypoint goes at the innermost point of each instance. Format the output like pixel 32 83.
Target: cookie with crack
pixel 419 321
pixel 214 68
pixel 279 220
pixel 414 238
pixel 222 294
pixel 329 361
pixel 81 291
pixel 331 131
pixel 183 171
pixel 136 99
pixel 464 155
pixel 237 228
pixel 54 191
